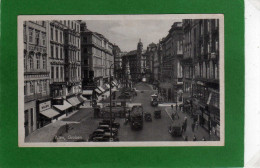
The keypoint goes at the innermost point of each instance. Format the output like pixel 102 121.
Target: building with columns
pixel 36 72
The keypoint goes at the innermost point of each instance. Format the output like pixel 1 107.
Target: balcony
pixel 36 96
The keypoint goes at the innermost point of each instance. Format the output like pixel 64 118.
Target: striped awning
pixel 74 101
pixel 101 89
pixel 66 105
pixel 50 113
pixel 87 92
pixel 98 91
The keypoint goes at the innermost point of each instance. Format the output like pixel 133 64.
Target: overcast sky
pixel 126 33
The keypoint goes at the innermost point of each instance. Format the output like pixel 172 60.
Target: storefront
pixel 47 114
pixel 63 109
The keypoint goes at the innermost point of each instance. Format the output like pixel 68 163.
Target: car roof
pixel 99 130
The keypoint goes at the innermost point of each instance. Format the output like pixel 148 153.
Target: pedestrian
pixel 185 126
pixel 197 125
pixel 186 138
pixel 192 126
pixel 194 138
pixel 203 139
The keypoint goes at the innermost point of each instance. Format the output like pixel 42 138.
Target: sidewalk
pixel 199 133
pixel 46 133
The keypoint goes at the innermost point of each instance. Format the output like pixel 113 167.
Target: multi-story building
pixel 36 73
pixel 117 61
pixel 97 60
pixel 171 55
pixel 151 61
pixel 65 65
pixel 201 70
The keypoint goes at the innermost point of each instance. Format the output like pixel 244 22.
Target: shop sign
pixel 44 106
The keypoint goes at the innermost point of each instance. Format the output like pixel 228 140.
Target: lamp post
pixel 110 100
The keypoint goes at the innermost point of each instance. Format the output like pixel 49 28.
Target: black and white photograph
pixel 121 80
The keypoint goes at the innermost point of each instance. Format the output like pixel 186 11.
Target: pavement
pixel 46 133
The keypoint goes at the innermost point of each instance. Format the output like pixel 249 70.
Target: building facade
pixel 97 59
pixel 117 61
pixel 36 72
pixel 201 70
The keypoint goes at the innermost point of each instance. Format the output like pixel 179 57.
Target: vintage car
pixel 175 130
pixel 157 114
pixel 106 137
pixel 154 100
pixel 107 122
pixel 148 116
pixel 107 128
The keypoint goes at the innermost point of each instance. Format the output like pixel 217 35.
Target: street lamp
pixel 110 100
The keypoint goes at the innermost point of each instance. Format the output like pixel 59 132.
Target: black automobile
pixel 107 128
pixel 157 114
pixel 107 122
pixel 148 116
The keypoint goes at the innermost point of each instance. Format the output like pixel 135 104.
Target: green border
pixel 231 155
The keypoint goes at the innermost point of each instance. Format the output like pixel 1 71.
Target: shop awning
pixel 87 92
pixel 101 89
pixel 108 86
pixel 50 113
pixel 82 97
pixel 63 107
pixel 74 101
pixel 98 91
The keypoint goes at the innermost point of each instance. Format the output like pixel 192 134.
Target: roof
pixel 133 52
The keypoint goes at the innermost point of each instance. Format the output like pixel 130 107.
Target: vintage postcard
pixel 121 80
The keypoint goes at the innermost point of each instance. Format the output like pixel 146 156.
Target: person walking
pixel 197 125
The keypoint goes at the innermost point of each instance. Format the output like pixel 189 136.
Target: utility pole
pixel 110 100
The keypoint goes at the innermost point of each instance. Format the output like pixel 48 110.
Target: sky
pixel 126 33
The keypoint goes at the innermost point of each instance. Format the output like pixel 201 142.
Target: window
pixel 31 62
pixel 31 87
pixel 57 72
pixel 52 52
pixel 37 34
pixel 40 87
pixel 25 89
pixel 44 62
pixel 45 86
pixel 61 37
pixel 216 45
pixel 56 33
pixel 57 52
pixel 52 72
pixel 30 35
pixel 61 73
pixel 43 39
pixel 51 33
pixel 61 56
pixel 38 61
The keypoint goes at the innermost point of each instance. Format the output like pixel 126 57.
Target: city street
pixel 155 130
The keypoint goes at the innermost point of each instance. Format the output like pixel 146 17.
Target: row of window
pixel 36 37
pixel 57 72
pixel 58 34
pixel 74 40
pixel 71 24
pixel 35 87
pixel 58 50
pixel 33 61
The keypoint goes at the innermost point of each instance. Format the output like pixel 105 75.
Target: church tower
pixel 139 47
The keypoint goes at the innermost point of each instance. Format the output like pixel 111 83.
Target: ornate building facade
pixel 36 72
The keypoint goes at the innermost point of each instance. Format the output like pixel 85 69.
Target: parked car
pixel 107 128
pixel 106 137
pixel 175 130
pixel 107 122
